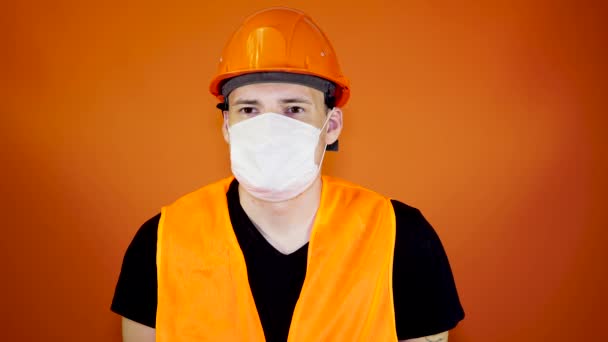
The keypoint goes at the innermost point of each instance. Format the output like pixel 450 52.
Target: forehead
pixel 275 92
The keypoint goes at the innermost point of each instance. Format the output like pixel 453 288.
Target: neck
pixel 286 225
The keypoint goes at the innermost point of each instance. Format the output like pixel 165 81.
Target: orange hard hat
pixel 280 40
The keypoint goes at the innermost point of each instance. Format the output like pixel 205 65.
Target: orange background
pixel 489 117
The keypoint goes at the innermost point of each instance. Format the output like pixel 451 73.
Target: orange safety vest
pixel 203 289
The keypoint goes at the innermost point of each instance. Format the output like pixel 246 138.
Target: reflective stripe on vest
pixel 203 289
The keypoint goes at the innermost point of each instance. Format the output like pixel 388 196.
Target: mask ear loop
pixel 325 148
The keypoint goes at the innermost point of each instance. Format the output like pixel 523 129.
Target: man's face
pixel 293 100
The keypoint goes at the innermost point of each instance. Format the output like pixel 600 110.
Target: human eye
pixel 247 110
pixel 294 110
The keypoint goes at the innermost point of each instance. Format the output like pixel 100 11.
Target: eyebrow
pixel 282 101
pixel 246 102
pixel 296 100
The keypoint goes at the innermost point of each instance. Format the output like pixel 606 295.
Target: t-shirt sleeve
pixel 135 296
pixel 425 296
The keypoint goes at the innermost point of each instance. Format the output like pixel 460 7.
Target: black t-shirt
pixel 425 297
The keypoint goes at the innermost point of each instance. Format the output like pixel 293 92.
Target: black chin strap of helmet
pixel 223 106
pixel 330 102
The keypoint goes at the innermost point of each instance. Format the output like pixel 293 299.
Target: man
pixel 279 252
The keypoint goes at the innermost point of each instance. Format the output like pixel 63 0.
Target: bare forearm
pixel 136 332
pixel 443 337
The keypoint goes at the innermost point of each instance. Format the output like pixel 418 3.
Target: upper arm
pixel 442 337
pixel 135 297
pixel 137 332
pixel 424 291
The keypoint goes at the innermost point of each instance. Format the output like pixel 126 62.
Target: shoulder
pixel 344 193
pixel 142 249
pixel 149 227
pixel 406 213
pixel 147 234
pixel 343 185
pixel 203 195
pixel 417 244
pixel 412 227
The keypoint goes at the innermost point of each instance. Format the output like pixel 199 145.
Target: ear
pixel 225 125
pixel 334 126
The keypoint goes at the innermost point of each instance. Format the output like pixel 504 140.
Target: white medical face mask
pixel 273 156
